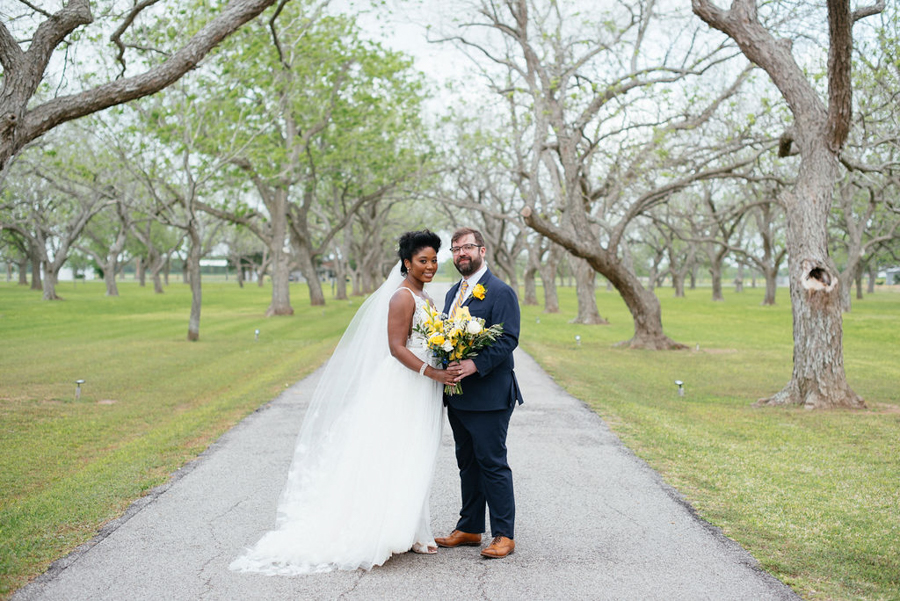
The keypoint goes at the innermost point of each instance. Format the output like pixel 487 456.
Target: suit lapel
pixel 448 304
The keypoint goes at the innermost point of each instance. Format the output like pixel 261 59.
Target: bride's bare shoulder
pixel 402 300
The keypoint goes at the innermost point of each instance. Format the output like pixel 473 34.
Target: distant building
pixel 892 276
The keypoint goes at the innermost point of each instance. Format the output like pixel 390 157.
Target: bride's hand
pixel 442 376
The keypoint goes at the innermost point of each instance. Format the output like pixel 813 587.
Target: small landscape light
pixel 78 384
pixel 257 333
pixel 577 339
pixel 538 320
pixel 680 386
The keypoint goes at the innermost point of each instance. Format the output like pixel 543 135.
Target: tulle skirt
pixel 367 495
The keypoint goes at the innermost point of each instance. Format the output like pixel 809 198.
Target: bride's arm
pixel 400 315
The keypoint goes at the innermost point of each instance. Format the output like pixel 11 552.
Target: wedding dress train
pixel 358 488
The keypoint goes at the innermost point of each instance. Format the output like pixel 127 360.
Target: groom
pixel 480 416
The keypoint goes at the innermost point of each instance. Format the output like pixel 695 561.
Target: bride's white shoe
pixel 424 549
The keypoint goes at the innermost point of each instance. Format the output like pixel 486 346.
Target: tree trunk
pixel 530 278
pixel 551 298
pixel 280 261
pixel 301 242
pixel 109 277
pixel 340 280
pixel 859 284
pixel 643 305
pixel 585 287
pixel 158 262
pixel 23 272
pixel 818 379
pixel 193 269
pixel 308 269
pixel 715 271
pixel 693 276
pixel 356 281
pixel 139 271
pixel 679 272
pixel 237 260
pixel 739 280
pixel 771 276
pixel 341 269
pixel 281 290
pixel 157 281
pixel 873 273
pixel 36 283
pixel 548 270
pixel 678 284
pixel 845 279
pixel 49 283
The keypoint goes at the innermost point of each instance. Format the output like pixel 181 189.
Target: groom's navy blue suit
pixel 480 415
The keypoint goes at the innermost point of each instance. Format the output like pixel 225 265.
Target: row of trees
pixel 608 123
pixel 612 139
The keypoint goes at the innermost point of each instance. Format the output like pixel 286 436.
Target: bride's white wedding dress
pixel 358 488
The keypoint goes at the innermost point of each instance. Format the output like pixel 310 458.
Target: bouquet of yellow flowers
pixel 456 337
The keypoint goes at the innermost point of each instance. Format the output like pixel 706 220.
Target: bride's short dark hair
pixel 412 242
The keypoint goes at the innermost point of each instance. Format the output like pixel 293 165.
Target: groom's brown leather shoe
pixel 458 538
pixel 499 547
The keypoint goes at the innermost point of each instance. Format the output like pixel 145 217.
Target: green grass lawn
pixel 814 496
pixel 151 400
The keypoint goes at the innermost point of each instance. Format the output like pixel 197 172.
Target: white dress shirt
pixel 472 281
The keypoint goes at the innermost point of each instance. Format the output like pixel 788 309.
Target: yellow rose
pixel 478 292
pixel 439 325
pixel 436 340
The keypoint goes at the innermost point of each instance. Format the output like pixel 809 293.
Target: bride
pixel 358 487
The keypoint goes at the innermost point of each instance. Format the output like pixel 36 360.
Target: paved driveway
pixel 594 522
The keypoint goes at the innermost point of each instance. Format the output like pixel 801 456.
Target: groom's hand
pixel 462 369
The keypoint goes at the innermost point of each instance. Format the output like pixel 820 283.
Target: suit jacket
pixel 494 387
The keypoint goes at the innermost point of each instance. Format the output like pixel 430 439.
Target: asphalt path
pixel 593 522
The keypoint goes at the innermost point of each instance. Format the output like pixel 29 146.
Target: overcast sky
pixel 404 25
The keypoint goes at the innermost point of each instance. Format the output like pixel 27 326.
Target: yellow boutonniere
pixel 478 292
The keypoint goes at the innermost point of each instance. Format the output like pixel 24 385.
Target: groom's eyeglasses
pixel 466 247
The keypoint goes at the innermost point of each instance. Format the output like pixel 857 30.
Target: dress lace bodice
pixel 416 341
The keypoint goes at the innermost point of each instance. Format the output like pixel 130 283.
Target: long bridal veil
pixel 344 382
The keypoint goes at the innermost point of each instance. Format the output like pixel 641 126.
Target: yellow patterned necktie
pixel 463 287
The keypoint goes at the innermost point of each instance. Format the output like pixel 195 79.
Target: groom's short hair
pixel 464 231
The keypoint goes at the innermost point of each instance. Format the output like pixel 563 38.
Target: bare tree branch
pixel 116 37
pixel 868 11
pixel 20 84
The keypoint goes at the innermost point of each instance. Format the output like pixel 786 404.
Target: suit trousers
pixel 485 475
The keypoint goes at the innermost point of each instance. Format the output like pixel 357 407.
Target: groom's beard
pixel 466 266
